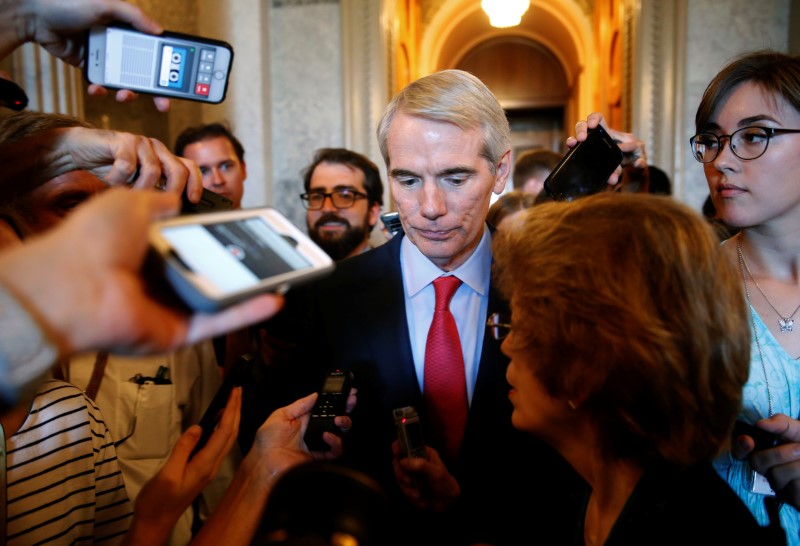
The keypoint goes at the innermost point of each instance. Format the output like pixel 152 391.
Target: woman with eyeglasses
pixel 628 352
pixel 748 140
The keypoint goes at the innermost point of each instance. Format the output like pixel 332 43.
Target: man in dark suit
pixel 446 143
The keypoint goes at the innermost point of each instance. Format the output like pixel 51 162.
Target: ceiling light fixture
pixel 505 13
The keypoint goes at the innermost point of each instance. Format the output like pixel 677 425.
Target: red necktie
pixel 445 382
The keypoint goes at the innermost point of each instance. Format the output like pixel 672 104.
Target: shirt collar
pixel 419 271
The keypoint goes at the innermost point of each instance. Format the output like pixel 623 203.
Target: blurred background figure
pixel 318 503
pixel 532 167
pixel 660 184
pixel 343 200
pixel 220 156
pixel 508 205
pixel 650 179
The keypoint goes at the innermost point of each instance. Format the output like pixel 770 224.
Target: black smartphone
pixel 234 378
pixel 12 95
pixel 584 169
pixel 762 438
pixel 170 64
pixel 409 432
pixel 332 401
pixel 209 202
pixel 391 221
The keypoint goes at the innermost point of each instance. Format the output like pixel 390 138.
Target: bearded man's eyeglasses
pixel 342 199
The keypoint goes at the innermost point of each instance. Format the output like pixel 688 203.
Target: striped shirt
pixel 64 483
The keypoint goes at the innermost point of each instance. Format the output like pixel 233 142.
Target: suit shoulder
pixel 378 262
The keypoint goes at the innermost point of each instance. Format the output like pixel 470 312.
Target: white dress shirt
pixel 468 305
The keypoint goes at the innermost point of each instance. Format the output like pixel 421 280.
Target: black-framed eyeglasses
pixel 499 325
pixel 746 143
pixel 343 198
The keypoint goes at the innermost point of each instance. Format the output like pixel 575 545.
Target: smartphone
pixel 215 259
pixel 12 96
pixel 332 401
pixel 234 378
pixel 409 432
pixel 762 438
pixel 585 168
pixel 391 221
pixel 170 64
pixel 209 202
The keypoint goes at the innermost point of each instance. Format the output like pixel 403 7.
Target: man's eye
pixel 407 180
pixel 204 170
pixel 65 206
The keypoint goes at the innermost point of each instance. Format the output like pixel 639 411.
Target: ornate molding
pixel 291 3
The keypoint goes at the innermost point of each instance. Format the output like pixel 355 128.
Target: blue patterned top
pixel 784 386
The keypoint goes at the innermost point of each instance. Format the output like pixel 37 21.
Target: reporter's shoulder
pixel 61 396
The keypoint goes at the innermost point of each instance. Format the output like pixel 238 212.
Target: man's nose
pixel 327 203
pixel 432 201
pixel 216 177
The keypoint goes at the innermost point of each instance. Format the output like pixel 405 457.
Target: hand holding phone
pixel 331 402
pixel 216 259
pixel 209 202
pixel 409 432
pixel 762 438
pixel 234 378
pixel 170 64
pixel 585 168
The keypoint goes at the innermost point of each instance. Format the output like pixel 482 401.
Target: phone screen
pixel 166 65
pixel 234 255
pixel 219 258
pixel 333 384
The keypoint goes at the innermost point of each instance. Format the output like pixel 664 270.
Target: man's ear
pixel 9 237
pixel 503 170
pixel 374 215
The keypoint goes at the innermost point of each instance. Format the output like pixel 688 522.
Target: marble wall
pixel 718 30
pixel 307 97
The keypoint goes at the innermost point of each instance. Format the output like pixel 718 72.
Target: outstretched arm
pixel 169 493
pixel 114 157
pixel 58 26
pixel 278 447
pixel 83 282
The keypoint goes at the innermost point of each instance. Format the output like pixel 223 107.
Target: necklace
pixel 753 318
pixel 786 323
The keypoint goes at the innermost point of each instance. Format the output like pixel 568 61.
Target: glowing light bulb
pixel 505 13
